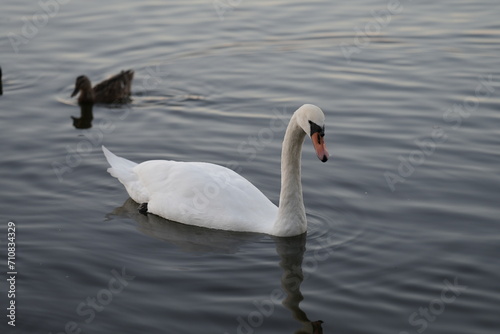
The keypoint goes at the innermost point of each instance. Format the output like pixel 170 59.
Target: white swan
pixel 212 196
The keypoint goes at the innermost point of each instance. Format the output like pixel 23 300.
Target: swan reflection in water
pixel 86 117
pixel 196 239
pixel 291 251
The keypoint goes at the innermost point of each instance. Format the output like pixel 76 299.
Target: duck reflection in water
pixel 196 239
pixel 86 117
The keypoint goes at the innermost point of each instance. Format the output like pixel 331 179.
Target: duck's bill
pixel 319 146
pixel 75 92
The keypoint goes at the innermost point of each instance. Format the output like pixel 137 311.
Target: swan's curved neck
pixel 291 218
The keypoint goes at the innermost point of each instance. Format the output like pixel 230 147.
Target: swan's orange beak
pixel 319 146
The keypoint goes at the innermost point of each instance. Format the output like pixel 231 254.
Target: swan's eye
pixel 315 128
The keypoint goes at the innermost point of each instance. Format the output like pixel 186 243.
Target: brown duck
pixel 113 90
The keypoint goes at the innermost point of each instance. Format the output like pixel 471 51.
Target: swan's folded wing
pixel 205 194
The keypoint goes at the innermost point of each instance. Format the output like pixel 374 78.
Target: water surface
pixel 403 232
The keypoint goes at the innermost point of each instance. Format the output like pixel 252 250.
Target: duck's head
pixel 312 120
pixel 82 83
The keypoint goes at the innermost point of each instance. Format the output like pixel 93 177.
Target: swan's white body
pixel 212 196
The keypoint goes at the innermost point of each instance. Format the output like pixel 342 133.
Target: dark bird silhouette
pixel 116 89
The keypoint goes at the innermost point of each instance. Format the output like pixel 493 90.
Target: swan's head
pixel 312 120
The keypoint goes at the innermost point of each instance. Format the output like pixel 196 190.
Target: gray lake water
pixel 404 228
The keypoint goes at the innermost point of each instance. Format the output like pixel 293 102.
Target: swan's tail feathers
pixel 121 168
